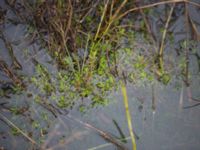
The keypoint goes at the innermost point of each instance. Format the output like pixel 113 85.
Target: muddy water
pixel 167 126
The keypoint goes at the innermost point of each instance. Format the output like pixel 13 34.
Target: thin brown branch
pixel 187 82
pixel 155 4
pixel 102 18
pixel 194 29
pixel 148 26
pixel 103 134
pixel 113 17
pixel 8 45
pixel 18 129
pixel 161 49
pixel 191 106
pixel 89 11
pixel 118 10
pixel 15 79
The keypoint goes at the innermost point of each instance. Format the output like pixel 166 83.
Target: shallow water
pixel 169 127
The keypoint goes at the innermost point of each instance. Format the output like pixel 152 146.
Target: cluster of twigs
pixel 63 26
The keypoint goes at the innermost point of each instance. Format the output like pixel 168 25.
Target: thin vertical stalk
pixel 113 18
pixel 101 21
pixel 128 116
pixel 85 53
pixel 161 48
pixel 187 82
pixel 165 30
pixel 152 37
pixel 119 9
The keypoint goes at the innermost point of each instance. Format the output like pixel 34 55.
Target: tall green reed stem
pixel 128 116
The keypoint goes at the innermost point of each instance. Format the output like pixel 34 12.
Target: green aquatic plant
pixel 15 132
pixel 35 124
pixel 93 47
pixel 88 63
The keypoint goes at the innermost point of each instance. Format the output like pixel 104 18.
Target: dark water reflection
pixel 170 127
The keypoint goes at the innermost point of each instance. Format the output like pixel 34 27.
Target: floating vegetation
pixel 92 49
pixel 92 46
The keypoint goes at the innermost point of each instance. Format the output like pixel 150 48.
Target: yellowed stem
pixel 102 17
pixel 161 49
pixel 165 31
pixel 128 116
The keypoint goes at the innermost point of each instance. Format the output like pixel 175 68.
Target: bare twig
pixel 194 28
pixel 8 45
pixel 187 107
pixel 194 99
pixel 105 135
pixel 114 16
pixel 187 82
pixel 148 26
pixel 156 4
pixel 4 67
pixel 161 48
pixel 165 31
pixel 101 21
pixel 18 129
pixel 89 11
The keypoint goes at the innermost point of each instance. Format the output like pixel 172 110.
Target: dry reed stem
pixel 103 134
pixel 101 21
pixel 161 49
pixel 148 26
pixel 156 4
pixel 113 17
pixel 18 129
pixel 186 80
pixel 118 10
pixel 10 74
